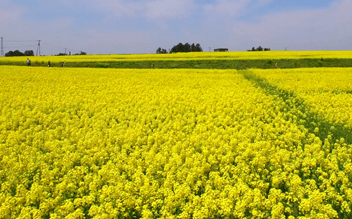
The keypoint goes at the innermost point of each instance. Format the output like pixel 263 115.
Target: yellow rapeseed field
pixel 105 143
pixel 188 56
pixel 327 90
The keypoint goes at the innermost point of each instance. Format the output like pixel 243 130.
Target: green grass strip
pixel 305 115
pixel 202 64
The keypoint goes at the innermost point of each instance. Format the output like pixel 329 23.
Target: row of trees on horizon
pixel 65 54
pixel 196 48
pixel 31 53
pixel 176 48
pixel 259 49
pixel 181 48
pixel 19 53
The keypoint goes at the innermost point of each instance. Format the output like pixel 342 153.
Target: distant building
pixel 221 50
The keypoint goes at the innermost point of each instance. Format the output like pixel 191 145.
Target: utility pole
pixel 2 47
pixel 65 51
pixel 209 49
pixel 38 48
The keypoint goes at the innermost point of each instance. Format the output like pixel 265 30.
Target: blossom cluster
pixel 105 143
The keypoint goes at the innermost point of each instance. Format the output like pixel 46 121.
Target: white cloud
pixel 228 7
pixel 112 42
pixel 233 8
pixel 320 29
pixel 9 13
pixel 8 16
pixel 155 9
pixel 61 23
pixel 159 9
pixel 261 3
pixel 316 29
pixel 117 7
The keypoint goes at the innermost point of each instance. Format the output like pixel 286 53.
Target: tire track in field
pixel 314 122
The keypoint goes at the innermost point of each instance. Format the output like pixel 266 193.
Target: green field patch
pixel 342 91
pixel 238 64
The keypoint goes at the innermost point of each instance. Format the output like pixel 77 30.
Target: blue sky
pixel 141 26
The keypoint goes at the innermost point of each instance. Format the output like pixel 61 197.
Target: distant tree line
pixel 181 48
pixel 160 51
pixel 31 53
pixel 65 54
pixel 259 49
pixel 19 53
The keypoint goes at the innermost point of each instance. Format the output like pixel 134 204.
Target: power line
pixel 9 47
pixel 60 47
pixel 19 45
pixel 54 46
pixel 19 41
pixel 2 47
pixel 38 48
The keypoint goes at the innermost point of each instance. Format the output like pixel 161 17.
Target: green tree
pixel 14 53
pixel 198 48
pixel 193 47
pixel 187 47
pixel 28 53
